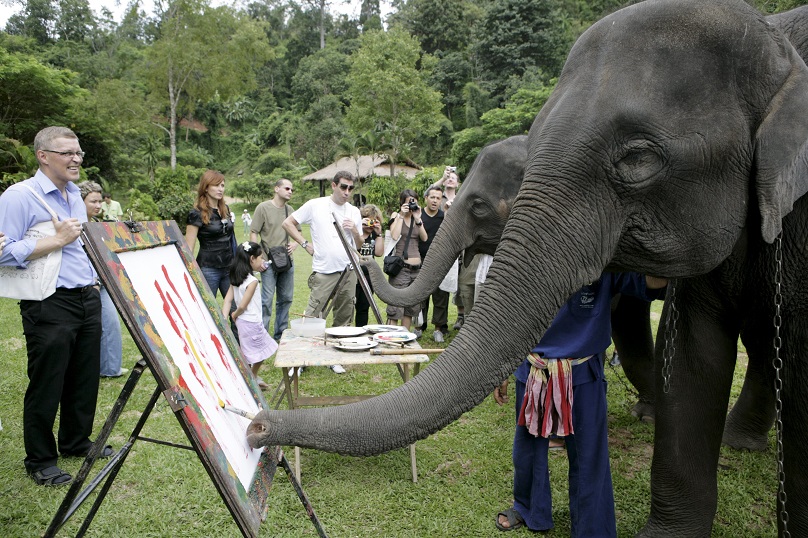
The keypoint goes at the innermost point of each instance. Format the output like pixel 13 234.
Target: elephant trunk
pixel 528 282
pixel 446 247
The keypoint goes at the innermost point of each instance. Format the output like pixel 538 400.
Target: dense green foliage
pixel 278 88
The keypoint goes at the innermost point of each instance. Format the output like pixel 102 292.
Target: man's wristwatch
pixel 419 223
pixel 304 244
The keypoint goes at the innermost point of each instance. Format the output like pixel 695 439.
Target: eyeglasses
pixel 79 154
pixel 345 187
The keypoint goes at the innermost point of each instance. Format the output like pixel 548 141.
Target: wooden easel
pixel 76 495
pixel 247 501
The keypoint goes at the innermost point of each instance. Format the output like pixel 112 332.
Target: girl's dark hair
pixel 240 267
pixel 406 194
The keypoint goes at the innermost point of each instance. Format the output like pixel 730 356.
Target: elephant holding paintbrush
pixel 675 144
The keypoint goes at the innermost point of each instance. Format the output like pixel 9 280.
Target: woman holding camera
pixel 406 228
pixel 372 245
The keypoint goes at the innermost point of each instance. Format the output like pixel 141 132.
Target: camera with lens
pixel 413 205
pixel 452 169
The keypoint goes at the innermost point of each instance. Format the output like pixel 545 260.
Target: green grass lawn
pixel 464 471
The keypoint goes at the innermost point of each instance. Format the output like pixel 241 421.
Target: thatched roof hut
pixel 363 167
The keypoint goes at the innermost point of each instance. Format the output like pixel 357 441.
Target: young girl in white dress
pixel 255 342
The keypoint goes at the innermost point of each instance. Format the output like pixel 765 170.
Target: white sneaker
pixel 337 369
pixel 292 371
pixel 437 336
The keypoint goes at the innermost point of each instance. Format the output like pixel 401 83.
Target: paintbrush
pixel 236 410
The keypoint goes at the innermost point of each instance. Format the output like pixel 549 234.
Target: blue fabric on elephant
pixel 581 328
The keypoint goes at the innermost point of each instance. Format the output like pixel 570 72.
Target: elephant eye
pixel 639 161
pixel 479 208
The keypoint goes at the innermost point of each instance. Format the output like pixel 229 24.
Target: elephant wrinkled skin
pixel 475 224
pixel 674 145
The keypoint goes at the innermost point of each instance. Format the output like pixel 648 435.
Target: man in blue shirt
pixel 566 367
pixel 63 331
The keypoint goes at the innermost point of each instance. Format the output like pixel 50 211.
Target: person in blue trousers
pixel 111 339
pixel 561 391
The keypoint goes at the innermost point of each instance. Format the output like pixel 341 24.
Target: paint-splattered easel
pixel 107 244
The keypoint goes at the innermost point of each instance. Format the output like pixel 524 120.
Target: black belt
pixel 76 290
pixel 412 267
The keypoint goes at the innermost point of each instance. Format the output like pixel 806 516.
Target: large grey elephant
pixel 674 145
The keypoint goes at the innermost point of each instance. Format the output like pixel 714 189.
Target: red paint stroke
pixel 174 288
pixel 196 375
pixel 220 350
pixel 167 310
pixel 190 289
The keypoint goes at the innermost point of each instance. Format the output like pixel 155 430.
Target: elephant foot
pixel 643 411
pixel 740 441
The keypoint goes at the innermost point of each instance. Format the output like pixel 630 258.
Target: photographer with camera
pixel 372 245
pixel 407 228
pixel 448 183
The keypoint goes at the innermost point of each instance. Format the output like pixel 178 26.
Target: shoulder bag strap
pixel 409 234
pixel 286 211
pixel 42 201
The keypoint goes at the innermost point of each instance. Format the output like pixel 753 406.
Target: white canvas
pixel 207 369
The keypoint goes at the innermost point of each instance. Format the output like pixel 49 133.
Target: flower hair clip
pixel 246 246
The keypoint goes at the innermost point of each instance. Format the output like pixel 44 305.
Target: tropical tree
pixel 31 94
pixel 517 35
pixel 203 52
pixel 386 87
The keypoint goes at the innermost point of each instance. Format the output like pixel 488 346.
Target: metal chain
pixel 622 379
pixel 670 337
pixel 778 382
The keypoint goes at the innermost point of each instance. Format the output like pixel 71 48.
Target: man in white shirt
pixel 330 258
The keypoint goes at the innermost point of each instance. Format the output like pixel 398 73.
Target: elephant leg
pixel 752 416
pixel 690 415
pixel 631 332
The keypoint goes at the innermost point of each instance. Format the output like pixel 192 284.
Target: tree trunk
pixel 173 99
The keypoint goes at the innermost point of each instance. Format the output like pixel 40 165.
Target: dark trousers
pixel 440 315
pixel 362 303
pixel 63 340
pixel 590 479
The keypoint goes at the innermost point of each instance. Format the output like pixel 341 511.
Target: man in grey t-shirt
pixel 267 229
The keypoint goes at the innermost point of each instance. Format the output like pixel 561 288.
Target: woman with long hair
pixel 211 222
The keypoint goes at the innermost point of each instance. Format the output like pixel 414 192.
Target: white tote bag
pixel 38 280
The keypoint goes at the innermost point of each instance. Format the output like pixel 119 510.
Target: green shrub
pixel 384 192
pixel 176 207
pixel 273 159
pixel 142 206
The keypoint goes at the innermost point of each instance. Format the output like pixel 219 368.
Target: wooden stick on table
pixel 408 351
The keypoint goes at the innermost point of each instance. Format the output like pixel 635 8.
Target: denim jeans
pixel 283 287
pixel 219 280
pixel 111 341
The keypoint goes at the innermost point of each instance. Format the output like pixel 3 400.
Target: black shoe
pixel 51 476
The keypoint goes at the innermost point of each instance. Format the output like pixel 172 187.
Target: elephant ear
pixel 781 149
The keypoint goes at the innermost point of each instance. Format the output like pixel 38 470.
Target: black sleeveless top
pixel 215 239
